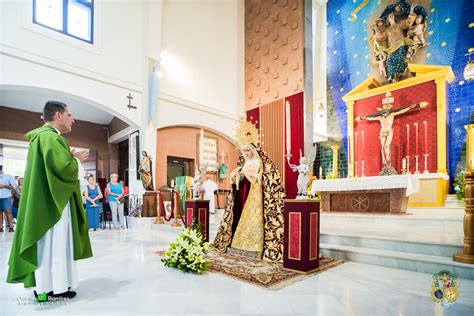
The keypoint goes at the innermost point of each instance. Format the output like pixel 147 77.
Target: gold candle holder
pixel 175 212
pixel 467 255
pixel 158 220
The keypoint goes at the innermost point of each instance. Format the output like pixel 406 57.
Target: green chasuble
pixel 50 182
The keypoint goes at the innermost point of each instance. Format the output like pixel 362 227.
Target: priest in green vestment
pixel 52 231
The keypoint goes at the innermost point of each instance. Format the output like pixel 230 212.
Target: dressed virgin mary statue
pixel 252 224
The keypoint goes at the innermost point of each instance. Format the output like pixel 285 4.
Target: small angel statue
pixel 302 170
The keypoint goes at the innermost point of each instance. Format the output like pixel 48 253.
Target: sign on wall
pixel 207 153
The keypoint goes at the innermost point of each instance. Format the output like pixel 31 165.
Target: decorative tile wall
pixel 273 50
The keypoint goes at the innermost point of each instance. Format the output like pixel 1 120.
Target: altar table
pixel 381 194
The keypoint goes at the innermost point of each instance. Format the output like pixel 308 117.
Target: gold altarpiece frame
pixel 424 73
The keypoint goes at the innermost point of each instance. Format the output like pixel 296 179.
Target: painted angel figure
pixel 302 170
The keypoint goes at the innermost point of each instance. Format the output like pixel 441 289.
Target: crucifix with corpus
pixel 386 115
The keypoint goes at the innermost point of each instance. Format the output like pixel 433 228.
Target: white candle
pixel 404 163
pixel 172 183
pixel 363 146
pixel 288 127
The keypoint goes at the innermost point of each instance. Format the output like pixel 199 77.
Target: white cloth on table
pixel 410 182
pixel 209 188
pixel 57 269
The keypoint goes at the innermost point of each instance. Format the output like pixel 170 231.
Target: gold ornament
pixel 247 133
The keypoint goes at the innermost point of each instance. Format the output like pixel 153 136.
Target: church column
pixel 335 156
pixel 308 77
pixel 350 134
pixel 441 124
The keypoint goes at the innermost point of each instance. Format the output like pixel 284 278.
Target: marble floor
pixel 125 277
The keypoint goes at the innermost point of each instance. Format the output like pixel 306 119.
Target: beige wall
pixel 14 124
pixel 182 142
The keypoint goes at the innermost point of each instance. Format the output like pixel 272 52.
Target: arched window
pixel 74 18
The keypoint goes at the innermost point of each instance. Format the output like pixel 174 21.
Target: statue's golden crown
pixel 247 133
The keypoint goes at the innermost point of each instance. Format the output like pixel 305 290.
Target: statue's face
pixel 248 152
pixel 398 9
pixel 391 18
pixel 380 24
pixel 418 19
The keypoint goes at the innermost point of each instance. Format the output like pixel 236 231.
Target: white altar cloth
pixel 410 182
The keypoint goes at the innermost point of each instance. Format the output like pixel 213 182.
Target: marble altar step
pixel 430 244
pixel 452 201
pixel 420 221
pixel 398 259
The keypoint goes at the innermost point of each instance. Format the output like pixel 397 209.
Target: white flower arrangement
pixel 187 252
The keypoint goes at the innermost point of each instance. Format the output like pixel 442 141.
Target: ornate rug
pixel 256 272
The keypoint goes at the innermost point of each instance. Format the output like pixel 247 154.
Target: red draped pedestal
pixel 301 235
pixel 198 210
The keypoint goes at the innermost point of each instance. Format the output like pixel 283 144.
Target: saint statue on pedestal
pixel 252 224
pixel 146 172
pixel 386 117
pixel 303 169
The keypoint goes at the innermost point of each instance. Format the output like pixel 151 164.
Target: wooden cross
pixel 130 98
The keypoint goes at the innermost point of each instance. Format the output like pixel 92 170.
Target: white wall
pixel 104 72
pixel 202 61
pixel 202 81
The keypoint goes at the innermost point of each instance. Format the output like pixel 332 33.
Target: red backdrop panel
pixel 372 150
pixel 296 113
pixel 254 116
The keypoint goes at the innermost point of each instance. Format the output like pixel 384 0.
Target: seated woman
pixel 252 224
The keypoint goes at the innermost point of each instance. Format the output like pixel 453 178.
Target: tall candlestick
pixel 404 164
pixel 408 140
pixel 426 137
pixel 320 172
pixel 416 139
pixel 349 150
pixel 363 146
pixel 288 127
pixel 356 149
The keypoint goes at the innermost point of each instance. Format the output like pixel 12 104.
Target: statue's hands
pixel 423 104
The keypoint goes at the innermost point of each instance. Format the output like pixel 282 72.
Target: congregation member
pixel 93 195
pixel 209 187
pixel 115 195
pixel 16 193
pixel 7 184
pixel 51 232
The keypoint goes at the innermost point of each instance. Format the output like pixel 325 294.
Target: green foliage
pixel 459 185
pixel 187 252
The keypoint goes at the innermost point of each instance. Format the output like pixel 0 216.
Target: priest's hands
pixel 423 104
pixel 81 155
